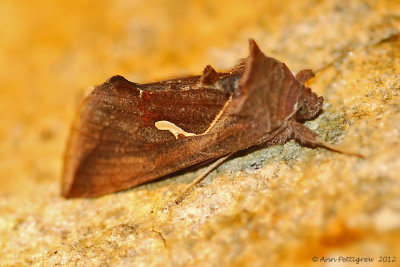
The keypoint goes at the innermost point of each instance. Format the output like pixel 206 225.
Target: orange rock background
pixel 281 205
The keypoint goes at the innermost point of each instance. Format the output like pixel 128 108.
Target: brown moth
pixel 127 134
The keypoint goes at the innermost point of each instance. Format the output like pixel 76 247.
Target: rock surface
pixel 284 205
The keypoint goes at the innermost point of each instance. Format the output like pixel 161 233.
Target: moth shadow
pixel 162 181
pixel 169 179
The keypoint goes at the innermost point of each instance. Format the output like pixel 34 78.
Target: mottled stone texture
pixel 282 205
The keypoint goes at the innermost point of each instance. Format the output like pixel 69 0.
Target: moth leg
pixel 201 177
pixel 304 75
pixel 307 137
pixel 277 137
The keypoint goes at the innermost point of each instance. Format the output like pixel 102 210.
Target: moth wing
pixel 269 84
pixel 115 145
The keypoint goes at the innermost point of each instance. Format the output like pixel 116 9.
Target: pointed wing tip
pixel 255 55
pixel 253 47
pixel 252 42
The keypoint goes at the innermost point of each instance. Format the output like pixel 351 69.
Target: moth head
pixel 309 104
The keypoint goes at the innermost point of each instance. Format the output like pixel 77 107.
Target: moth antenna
pixel 307 137
pixel 201 177
pixel 253 47
pixel 334 148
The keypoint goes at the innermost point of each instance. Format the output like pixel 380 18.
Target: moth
pixel 126 134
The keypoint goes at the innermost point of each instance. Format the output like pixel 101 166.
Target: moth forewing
pixel 126 134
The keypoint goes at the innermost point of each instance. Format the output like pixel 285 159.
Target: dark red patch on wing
pixel 147 116
pixel 146 95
